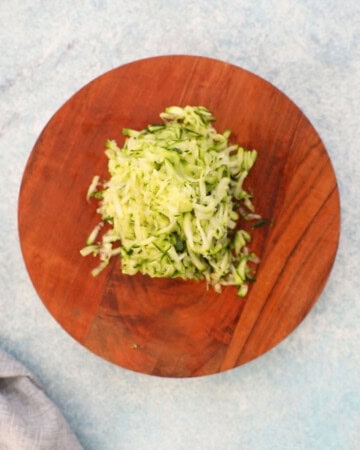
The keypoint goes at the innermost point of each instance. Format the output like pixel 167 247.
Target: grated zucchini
pixel 173 201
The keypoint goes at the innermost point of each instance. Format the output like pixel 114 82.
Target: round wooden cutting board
pixel 169 327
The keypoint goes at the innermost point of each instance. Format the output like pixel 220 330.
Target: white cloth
pixel 28 419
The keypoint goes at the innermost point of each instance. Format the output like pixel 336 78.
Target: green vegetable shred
pixel 173 202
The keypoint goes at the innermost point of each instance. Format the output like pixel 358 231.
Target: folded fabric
pixel 29 420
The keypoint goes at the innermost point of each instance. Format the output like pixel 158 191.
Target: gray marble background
pixel 304 394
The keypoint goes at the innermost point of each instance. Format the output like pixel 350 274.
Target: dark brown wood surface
pixel 169 327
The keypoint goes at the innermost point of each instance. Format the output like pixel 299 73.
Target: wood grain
pixel 171 327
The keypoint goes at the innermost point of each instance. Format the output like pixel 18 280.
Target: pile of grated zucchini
pixel 173 202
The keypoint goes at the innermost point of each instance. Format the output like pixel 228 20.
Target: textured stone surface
pixel 305 393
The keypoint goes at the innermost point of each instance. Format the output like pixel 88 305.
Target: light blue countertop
pixel 305 393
